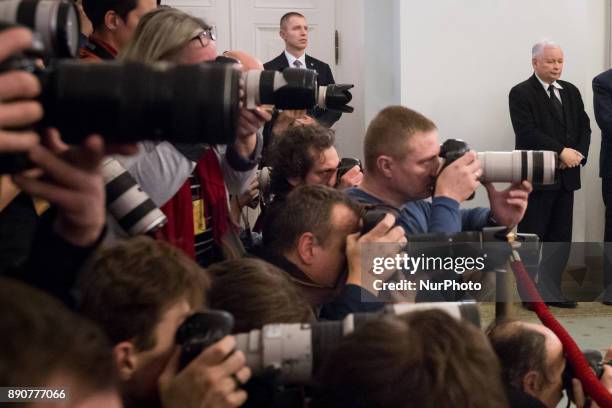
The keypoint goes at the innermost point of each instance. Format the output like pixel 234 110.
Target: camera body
pixel 346 164
pixel 200 331
pixel 596 362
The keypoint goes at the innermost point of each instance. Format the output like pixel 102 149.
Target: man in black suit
pixel 602 100
pixel 294 31
pixel 548 114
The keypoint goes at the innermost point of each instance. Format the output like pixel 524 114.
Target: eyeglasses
pixel 206 36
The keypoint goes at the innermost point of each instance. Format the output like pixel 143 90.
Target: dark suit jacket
pixel 602 101
pixel 537 126
pixel 325 77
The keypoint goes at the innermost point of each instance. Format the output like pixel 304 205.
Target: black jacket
pixel 538 127
pixel 327 118
pixel 54 264
pixel 602 102
pixel 520 399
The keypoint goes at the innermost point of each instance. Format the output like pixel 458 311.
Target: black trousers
pixel 606 192
pixel 549 215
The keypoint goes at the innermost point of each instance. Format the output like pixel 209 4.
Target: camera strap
pixel 98 49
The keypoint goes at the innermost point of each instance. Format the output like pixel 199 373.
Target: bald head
pixel 552 342
pixel 532 359
pixel 247 61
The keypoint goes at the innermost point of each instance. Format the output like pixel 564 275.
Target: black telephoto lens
pixel 132 102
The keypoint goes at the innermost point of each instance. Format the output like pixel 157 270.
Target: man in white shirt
pixel 294 32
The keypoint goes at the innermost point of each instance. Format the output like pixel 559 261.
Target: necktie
pixel 297 64
pixel 555 101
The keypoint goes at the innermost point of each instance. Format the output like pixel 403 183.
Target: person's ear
pixel 306 247
pixel 385 165
pixel 282 34
pixel 294 181
pixel 112 20
pixel 124 356
pixel 531 383
pixel 534 62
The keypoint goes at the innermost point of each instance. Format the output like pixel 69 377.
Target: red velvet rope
pixel 583 371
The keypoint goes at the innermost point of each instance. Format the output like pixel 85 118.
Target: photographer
pixel 304 155
pixel 45 346
pixel 113 22
pixel 256 293
pixel 314 238
pixel 140 292
pixel 533 363
pixel 402 170
pixel 421 359
pixel 164 169
pixel 68 178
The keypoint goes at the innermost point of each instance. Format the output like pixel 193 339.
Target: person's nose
pixel 332 180
pixel 436 166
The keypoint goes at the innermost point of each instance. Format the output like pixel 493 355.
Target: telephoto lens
pixel 291 89
pixel 131 102
pixel 537 167
pixel 294 352
pixel 295 88
pixel 56 22
pixel 129 205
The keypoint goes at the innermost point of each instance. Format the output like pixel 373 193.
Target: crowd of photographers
pixel 183 317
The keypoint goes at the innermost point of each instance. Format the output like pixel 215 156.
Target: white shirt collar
pixel 545 85
pixel 291 59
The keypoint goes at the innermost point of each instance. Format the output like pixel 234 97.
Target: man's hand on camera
pixel 386 233
pixel 250 121
pixel 459 180
pixel 18 86
pixel 210 380
pixel 70 180
pixel 606 381
pixel 508 206
pixel 351 178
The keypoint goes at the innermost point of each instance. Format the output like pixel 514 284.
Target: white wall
pixel 383 69
pixel 459 60
pixel 370 59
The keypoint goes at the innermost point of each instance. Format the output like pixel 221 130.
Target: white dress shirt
pixel 556 86
pixel 291 59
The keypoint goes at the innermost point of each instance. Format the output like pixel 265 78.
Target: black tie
pixel 297 64
pixel 555 101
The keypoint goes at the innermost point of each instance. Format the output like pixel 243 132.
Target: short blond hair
pixel 389 130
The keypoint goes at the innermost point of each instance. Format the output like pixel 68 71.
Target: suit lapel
pixel 310 63
pixel 283 59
